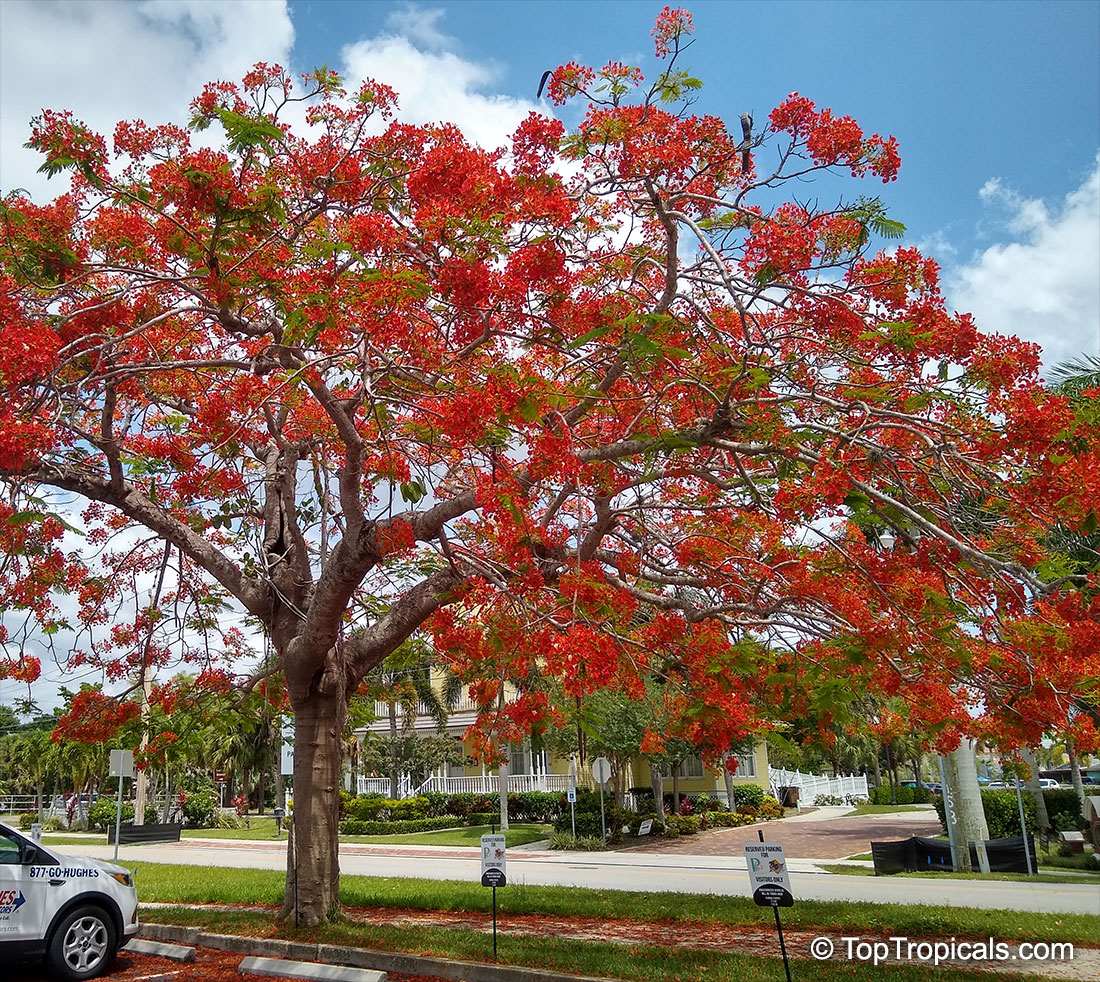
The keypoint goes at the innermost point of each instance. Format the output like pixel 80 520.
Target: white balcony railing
pixel 477 784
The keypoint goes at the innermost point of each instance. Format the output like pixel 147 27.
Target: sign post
pixel 493 873
pixel 571 795
pixel 601 771
pixel 770 884
pixel 121 766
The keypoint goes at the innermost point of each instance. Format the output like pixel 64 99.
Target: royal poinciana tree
pixel 600 405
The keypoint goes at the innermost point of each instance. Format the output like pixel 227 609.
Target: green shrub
pixel 407 809
pixel 588 824
pixel 54 824
pixel 437 801
pixel 683 824
pixel 1002 812
pixel 536 806
pixel 1066 822
pixel 365 808
pixel 102 814
pixel 562 840
pixel 346 798
pixel 377 808
pixel 483 818
pixel 1064 801
pixel 27 819
pixel 770 809
pixel 199 808
pixel 355 827
pixel 901 795
pixel 466 802
pixel 748 795
pixel 727 820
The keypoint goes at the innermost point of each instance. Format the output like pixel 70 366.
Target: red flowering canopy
pixel 596 405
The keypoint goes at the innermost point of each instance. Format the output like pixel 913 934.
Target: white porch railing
pixel 381 785
pixel 478 784
pixel 812 785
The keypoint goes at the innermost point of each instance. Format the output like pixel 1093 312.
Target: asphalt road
pixel 635 872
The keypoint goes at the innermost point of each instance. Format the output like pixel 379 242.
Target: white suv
pixel 76 912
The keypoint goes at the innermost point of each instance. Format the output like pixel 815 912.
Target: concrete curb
pixel 385 961
pixel 280 969
pixel 174 952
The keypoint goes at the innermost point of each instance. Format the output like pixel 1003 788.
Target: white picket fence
pixel 812 785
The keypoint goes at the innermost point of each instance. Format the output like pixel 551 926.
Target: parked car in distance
pixel 73 912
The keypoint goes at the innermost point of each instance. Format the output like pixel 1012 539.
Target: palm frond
pixel 1073 377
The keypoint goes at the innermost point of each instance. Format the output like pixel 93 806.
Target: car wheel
pixel 83 944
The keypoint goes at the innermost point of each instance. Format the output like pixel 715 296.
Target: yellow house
pixel 542 770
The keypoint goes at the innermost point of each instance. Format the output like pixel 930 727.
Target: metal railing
pixel 478 784
pixel 812 785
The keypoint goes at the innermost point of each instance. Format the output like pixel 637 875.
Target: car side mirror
pixel 30 854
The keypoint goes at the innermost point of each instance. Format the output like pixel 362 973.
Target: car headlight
pixel 124 878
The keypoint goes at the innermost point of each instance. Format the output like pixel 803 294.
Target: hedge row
pixel 356 827
pixel 901 795
pixel 523 806
pixel 1002 811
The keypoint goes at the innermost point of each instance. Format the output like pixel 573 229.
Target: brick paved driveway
pixel 805 839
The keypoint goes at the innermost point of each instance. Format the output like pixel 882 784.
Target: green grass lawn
pixel 1045 876
pixel 264 828
pixel 633 962
pixel 889 809
pixel 195 885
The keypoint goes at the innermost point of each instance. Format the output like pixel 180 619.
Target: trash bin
pixel 788 796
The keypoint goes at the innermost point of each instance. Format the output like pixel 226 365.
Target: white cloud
pixel 108 61
pixel 419 24
pixel 1043 282
pixel 435 86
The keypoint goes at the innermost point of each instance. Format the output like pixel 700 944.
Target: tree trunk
pixel 394 791
pixel 955 812
pixel 676 788
pixel 619 782
pixel 1042 817
pixel 313 865
pixel 878 769
pixel 1075 775
pixel 502 788
pixel 658 783
pixel 727 776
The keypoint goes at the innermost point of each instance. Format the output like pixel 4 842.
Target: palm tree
pixel 30 756
pixel 404 681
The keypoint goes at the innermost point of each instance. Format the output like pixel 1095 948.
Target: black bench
pixel 131 834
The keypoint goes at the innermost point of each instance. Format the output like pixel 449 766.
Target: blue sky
pixel 996 105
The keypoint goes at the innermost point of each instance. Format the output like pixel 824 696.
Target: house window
pixel 746 765
pixel 519 762
pixel 690 767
